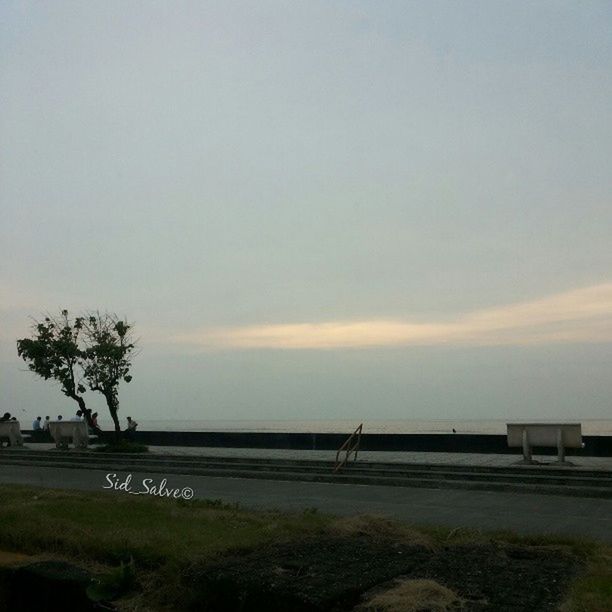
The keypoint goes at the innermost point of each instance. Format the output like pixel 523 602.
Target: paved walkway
pixel 593 463
pixel 483 510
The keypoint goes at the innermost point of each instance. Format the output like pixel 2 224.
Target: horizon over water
pixel 593 427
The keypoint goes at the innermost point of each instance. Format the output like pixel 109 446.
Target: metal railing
pixel 350 446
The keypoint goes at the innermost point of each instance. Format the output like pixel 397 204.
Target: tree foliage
pixel 54 352
pixel 107 358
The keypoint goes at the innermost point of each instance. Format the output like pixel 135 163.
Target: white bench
pixel 12 431
pixel 64 431
pixel 559 435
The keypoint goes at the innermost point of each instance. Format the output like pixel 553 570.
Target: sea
pixel 590 427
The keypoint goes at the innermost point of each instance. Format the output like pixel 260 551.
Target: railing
pixel 350 446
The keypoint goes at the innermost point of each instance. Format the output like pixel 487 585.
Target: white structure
pixel 528 435
pixel 64 431
pixel 12 431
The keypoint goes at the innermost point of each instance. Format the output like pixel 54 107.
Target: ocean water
pixel 590 427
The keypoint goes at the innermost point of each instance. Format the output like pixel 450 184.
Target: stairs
pixel 522 479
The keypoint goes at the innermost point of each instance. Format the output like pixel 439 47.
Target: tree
pixel 54 352
pixel 107 357
pixel 94 350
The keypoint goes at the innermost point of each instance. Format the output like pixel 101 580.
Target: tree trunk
pixel 116 422
pixel 112 408
pixel 86 413
pixel 83 408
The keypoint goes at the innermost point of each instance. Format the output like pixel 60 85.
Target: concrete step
pixel 144 459
pixel 597 479
pixel 470 480
pixel 88 457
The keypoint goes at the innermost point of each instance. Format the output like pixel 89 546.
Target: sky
pixel 356 210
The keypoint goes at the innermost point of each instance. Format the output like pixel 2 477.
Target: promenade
pixel 441 502
pixel 432 458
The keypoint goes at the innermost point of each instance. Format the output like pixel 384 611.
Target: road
pixel 486 510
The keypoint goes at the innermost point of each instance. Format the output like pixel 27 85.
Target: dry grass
pixel 12 558
pixel 379 527
pixel 413 596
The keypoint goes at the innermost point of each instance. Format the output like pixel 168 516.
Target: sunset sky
pixel 335 209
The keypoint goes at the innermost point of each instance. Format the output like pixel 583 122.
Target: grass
pixel 113 528
pixel 591 591
pixel 164 536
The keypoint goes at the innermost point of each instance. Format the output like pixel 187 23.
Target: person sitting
pixel 59 417
pixel 3 419
pixel 88 418
pixel 131 428
pixel 37 430
pixel 78 416
pixel 94 423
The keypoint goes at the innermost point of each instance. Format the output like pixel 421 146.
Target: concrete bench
pixel 64 432
pixel 11 431
pixel 559 435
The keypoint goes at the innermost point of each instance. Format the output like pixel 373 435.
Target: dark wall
pixel 595 446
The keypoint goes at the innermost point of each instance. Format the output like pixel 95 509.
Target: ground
pixel 332 573
pixel 206 555
pixel 486 510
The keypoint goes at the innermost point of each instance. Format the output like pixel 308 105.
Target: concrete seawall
pixel 595 446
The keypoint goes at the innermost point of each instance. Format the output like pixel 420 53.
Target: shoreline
pixel 590 427
pixel 594 446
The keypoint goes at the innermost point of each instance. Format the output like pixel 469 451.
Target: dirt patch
pixel 58 586
pixel 333 574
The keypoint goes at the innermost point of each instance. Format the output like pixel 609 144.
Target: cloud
pixel 581 315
